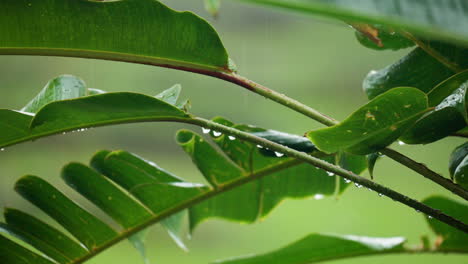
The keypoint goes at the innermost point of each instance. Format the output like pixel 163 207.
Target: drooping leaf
pixel 355 163
pixel 110 30
pixel 321 247
pixel 371 160
pixel 138 242
pixel 380 37
pixel 98 110
pixel 439 19
pixel 60 88
pixel 375 125
pixel 457 156
pixel 449 238
pixel 448 117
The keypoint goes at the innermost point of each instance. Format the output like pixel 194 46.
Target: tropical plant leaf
pixel 446 88
pixel 458 165
pixel 448 117
pixel 322 247
pixel 81 113
pixel 449 238
pixel 439 19
pixel 61 88
pixel 151 37
pixel 375 125
pixel 371 161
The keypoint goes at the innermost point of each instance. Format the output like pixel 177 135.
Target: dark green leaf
pixel 448 117
pixel 110 30
pixel 457 157
pixel 375 125
pixel 292 141
pixel 317 248
pixel 88 229
pixel 450 238
pixel 440 19
pixel 60 88
pixel 13 253
pixel 417 69
pixel 446 88
pixel 371 160
pixel 43 237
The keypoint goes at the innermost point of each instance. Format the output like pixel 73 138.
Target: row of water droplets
pixel 230 137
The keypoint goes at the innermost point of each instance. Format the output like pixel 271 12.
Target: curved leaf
pixel 375 125
pixel 448 117
pixel 380 37
pixel 110 30
pixel 60 88
pixel 446 88
pixel 321 247
pixel 85 112
pixel 458 165
pixel 440 19
pixel 449 238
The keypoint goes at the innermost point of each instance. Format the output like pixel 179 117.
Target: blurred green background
pixel 316 61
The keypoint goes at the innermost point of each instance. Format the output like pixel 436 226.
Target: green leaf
pixel 81 113
pixel 371 160
pixel 380 37
pixel 15 254
pixel 138 241
pixel 170 95
pixel 75 219
pixel 439 19
pixel 322 247
pixel 292 141
pixel 375 125
pixel 458 165
pixel 448 117
pixel 355 163
pixel 158 35
pixel 417 69
pixel 446 88
pixel 449 237
pixel 60 88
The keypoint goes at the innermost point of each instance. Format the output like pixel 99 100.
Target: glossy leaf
pixel 457 156
pixel 151 37
pixel 321 247
pixel 375 125
pixel 440 19
pixel 446 88
pixel 449 237
pixel 13 253
pixel 417 69
pixel 292 141
pixel 371 161
pixel 60 88
pixel 448 117
pixel 76 114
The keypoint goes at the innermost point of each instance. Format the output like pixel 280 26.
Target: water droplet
pixel 279 154
pixel 330 173
pixel 2 149
pixel 417 211
pixel 319 196
pixel 259 146
pixel 205 130
pixel 357 185
pixel 347 181
pixel 232 137
pixel 216 133
pixel 63 133
pixel 380 194
pixel 401 143
pixel 429 216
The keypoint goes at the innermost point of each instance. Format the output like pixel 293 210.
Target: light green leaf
pixel 170 95
pixel 375 125
pixel 138 242
pixel 141 31
pixel 438 19
pixel 60 88
pixel 321 247
pixel 212 7
pixel 449 237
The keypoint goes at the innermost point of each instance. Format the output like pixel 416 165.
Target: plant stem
pixel 334 169
pixel 328 121
pixel 426 172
